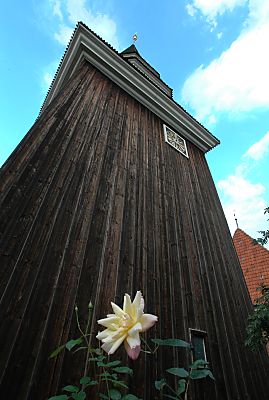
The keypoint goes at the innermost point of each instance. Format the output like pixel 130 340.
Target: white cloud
pixel 56 8
pixel 47 78
pixel 240 189
pixel 48 75
pixel 259 149
pixel 63 35
pixel 191 10
pixel 258 12
pixel 212 119
pixel 212 8
pixel 78 10
pixel 245 199
pixel 237 81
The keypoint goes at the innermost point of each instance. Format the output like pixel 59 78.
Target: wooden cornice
pixel 85 44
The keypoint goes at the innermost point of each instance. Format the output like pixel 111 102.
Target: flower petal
pixel 133 353
pixel 117 310
pixel 147 321
pixel 134 340
pixel 115 335
pixel 111 347
pixel 107 322
pixel 137 299
pixel 102 335
pixel 138 305
pixel 127 304
pixel 142 305
pixel 136 328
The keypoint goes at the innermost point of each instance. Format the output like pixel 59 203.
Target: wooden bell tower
pixel 110 192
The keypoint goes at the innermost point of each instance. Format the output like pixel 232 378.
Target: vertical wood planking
pixel 94 204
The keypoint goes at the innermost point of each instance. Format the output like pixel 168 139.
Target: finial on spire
pixel 236 220
pixel 135 37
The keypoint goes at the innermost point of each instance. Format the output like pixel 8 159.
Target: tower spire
pixel 135 37
pixel 236 220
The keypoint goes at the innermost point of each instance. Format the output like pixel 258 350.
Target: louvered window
pixel 198 344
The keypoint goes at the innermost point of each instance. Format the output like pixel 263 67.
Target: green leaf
pixel 85 380
pixel 181 372
pixel 79 396
pixel 80 348
pixel 119 383
pixel 160 384
pixel 109 364
pixel 103 396
pixel 92 383
pixel 57 351
pixel 60 397
pixel 181 386
pixel 72 343
pixel 114 394
pixel 130 397
pixel 115 382
pixel 201 373
pixel 70 388
pixel 123 370
pixel 105 375
pixel 99 358
pixel 172 342
pixel 211 375
pixel 198 364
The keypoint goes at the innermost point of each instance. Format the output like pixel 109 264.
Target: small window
pixel 198 344
pixel 175 141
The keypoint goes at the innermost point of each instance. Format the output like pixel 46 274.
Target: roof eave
pixel 86 45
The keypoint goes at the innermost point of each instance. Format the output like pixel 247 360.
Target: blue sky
pixel 212 53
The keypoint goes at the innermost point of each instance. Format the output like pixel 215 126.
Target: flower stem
pixel 146 344
pixel 90 312
pixel 79 327
pixel 172 390
pixel 107 386
pixel 186 390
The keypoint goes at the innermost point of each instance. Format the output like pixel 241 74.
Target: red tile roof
pixel 254 260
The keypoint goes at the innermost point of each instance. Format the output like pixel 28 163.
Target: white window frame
pixel 165 127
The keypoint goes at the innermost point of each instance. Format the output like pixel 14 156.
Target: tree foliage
pixel 265 234
pixel 257 333
pixel 258 322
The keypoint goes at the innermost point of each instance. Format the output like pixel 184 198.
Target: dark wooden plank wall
pixel 94 204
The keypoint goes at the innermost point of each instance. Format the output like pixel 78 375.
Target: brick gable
pixel 254 260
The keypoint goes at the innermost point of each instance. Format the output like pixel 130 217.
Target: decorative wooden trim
pixel 177 142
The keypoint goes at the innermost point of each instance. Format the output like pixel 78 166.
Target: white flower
pixel 125 325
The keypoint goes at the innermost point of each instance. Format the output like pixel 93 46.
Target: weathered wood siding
pixel 94 204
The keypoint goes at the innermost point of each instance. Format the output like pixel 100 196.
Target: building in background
pixel 108 193
pixel 254 260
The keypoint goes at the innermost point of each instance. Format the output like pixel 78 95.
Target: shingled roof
pixel 254 260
